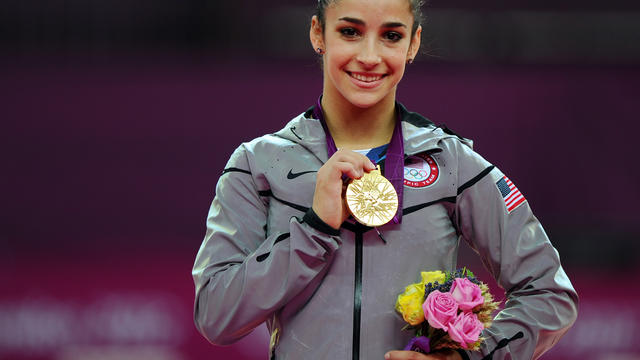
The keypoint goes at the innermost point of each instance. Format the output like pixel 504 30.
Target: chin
pixel 365 100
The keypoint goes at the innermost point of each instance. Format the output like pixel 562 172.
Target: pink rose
pixel 439 309
pixel 467 294
pixel 465 329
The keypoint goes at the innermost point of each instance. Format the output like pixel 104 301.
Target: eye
pixel 349 32
pixel 393 36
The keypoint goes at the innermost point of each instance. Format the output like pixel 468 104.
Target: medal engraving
pixel 372 200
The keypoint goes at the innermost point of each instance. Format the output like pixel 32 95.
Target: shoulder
pixel 299 143
pixel 289 135
pixel 413 118
pixel 420 133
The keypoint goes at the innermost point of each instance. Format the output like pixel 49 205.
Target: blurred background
pixel 118 117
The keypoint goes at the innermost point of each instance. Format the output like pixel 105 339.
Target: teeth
pixel 366 78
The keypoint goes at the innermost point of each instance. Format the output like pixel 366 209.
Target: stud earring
pixel 410 61
pixel 320 51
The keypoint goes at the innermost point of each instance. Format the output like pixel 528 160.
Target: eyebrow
pixel 360 22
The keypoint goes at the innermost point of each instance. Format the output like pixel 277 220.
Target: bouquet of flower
pixel 446 310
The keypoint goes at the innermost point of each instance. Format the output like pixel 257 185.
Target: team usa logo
pixel 420 171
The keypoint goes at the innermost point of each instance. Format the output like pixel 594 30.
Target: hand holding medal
pixel 365 194
pixel 328 202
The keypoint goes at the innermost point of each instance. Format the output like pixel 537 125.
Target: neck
pixel 356 128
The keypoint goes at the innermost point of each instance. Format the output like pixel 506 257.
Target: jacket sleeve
pixel 242 276
pixel 541 303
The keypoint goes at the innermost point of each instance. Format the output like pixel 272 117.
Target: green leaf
pixel 470 273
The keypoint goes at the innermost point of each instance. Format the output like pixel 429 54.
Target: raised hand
pixel 327 198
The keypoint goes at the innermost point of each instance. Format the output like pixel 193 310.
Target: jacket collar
pixel 419 133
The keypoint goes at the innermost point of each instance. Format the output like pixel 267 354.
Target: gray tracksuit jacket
pixel 331 295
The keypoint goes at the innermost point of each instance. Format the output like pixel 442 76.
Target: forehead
pixel 370 10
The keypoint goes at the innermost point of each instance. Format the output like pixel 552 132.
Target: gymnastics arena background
pixel 118 118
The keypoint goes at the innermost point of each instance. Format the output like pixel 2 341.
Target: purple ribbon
pixel 419 344
pixel 393 164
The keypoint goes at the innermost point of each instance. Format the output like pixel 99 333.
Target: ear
pixel 415 44
pixel 316 34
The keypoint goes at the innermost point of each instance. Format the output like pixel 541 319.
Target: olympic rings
pixel 421 171
pixel 415 173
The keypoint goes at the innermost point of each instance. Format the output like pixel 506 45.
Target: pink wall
pixel 110 171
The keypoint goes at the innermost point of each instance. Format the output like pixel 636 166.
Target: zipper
pixel 357 288
pixel 357 298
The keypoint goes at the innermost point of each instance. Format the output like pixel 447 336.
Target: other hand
pixel 413 355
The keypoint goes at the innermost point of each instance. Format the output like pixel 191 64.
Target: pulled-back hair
pixel 416 10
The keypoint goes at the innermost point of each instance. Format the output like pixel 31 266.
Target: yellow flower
pixel 409 303
pixel 432 277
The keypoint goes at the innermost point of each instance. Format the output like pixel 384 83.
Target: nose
pixel 369 55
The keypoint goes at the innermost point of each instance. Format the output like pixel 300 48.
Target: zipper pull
pixel 380 235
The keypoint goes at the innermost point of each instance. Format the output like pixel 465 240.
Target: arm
pixel 541 303
pixel 241 277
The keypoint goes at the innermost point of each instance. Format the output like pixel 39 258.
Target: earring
pixel 320 51
pixel 410 61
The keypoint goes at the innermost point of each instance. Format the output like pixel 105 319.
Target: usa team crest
pixel 420 171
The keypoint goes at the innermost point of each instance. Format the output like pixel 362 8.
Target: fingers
pixel 406 355
pixel 413 355
pixel 327 199
pixel 350 163
pixel 349 169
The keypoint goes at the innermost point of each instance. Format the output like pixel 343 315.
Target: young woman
pixel 280 246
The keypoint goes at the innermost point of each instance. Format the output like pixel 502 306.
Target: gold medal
pixel 372 200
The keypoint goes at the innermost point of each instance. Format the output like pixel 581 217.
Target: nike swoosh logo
pixel 292 175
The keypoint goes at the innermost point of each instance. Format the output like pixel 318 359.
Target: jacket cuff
pixel 312 219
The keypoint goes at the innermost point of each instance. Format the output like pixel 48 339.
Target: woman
pixel 280 246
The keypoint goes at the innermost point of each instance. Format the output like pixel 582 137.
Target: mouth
pixel 366 79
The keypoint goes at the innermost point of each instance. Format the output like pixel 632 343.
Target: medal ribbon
pixel 393 164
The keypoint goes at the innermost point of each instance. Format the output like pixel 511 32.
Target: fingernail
pixel 387 356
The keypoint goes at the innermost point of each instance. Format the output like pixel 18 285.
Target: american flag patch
pixel 510 194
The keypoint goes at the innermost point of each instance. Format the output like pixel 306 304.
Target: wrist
pixel 312 219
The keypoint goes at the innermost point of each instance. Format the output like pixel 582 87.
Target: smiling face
pixel 366 45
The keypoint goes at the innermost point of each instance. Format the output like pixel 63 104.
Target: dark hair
pixel 416 9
